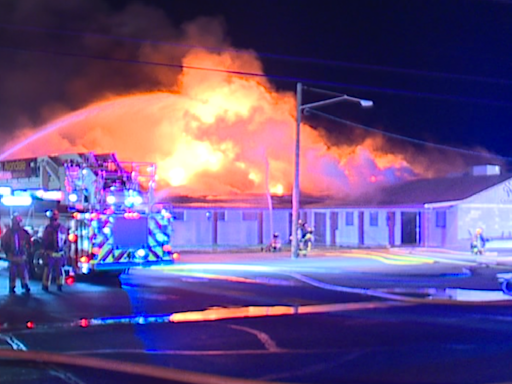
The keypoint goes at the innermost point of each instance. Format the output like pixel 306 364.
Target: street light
pixel 337 97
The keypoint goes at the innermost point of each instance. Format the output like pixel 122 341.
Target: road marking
pixel 14 342
pixel 262 336
pixel 17 345
pixel 158 296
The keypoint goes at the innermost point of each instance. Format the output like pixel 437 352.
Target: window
pixel 349 219
pixel 249 216
pixel 374 219
pixel 178 215
pixel 221 216
pixel 441 219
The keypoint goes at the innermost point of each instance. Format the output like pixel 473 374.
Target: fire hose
pixel 397 297
pixel 136 369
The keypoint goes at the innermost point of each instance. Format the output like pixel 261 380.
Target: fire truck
pixel 108 206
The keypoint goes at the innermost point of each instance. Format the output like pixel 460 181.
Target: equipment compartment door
pixel 130 233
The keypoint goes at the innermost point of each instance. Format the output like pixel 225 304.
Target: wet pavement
pixel 268 317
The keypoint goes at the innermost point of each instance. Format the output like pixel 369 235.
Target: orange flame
pixel 213 133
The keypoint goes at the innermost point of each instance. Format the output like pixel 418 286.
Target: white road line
pixel 65 376
pixel 262 336
pixel 13 342
pixel 17 345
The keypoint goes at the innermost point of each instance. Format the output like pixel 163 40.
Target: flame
pixel 213 133
pixel 277 190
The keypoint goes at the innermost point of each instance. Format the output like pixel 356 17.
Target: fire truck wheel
pixel 36 266
pixel 102 278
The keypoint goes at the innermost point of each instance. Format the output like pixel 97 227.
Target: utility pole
pixel 335 97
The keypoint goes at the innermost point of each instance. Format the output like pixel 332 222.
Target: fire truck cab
pixel 108 207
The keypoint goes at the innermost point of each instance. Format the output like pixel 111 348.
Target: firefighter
pixel 16 244
pixel 306 242
pixel 54 243
pixel 478 242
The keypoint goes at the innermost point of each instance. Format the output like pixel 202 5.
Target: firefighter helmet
pixel 53 214
pixel 16 219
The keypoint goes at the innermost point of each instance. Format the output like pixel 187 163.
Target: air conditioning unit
pixel 486 170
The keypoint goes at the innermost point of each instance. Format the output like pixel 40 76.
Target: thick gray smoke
pixel 58 56
pixel 37 87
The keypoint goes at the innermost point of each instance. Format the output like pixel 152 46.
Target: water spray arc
pixel 49 128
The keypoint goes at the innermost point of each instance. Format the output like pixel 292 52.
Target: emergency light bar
pixel 39 193
pixel 5 191
pixel 16 201
pixel 52 195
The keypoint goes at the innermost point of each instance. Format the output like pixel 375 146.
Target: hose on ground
pixel 392 296
pixel 135 369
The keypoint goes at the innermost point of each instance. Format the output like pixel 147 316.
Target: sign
pixel 18 169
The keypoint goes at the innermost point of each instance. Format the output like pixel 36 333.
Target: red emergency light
pixel 132 215
pixel 84 259
pixel 84 323
pixel 72 237
pixel 30 324
pixel 167 248
pixel 70 280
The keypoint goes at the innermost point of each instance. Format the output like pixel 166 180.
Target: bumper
pixel 120 266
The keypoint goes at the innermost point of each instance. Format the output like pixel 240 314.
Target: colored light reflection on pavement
pixel 385 257
pixel 234 279
pixel 392 259
pixel 213 314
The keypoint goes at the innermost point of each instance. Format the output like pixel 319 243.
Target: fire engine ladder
pixel 49 168
pixel 111 166
pixel 109 172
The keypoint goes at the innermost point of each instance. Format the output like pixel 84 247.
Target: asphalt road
pixel 326 336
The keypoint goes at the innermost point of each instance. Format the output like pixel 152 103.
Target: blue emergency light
pixel 111 199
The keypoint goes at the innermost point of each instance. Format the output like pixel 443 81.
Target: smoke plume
pixel 210 132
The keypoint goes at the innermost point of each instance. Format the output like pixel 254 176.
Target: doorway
pixel 410 228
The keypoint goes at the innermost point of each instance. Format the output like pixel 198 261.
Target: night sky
pixel 439 71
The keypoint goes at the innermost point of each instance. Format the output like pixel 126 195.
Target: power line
pixel 405 138
pixel 260 75
pixel 267 55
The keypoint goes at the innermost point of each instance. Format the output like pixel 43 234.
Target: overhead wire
pixel 401 137
pixel 260 75
pixel 275 77
pixel 261 54
pixel 278 77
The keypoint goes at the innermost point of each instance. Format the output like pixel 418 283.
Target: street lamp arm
pixel 363 102
pixel 296 184
pixel 324 102
pixel 330 93
pixel 340 97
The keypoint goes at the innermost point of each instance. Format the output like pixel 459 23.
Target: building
pixel 438 212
